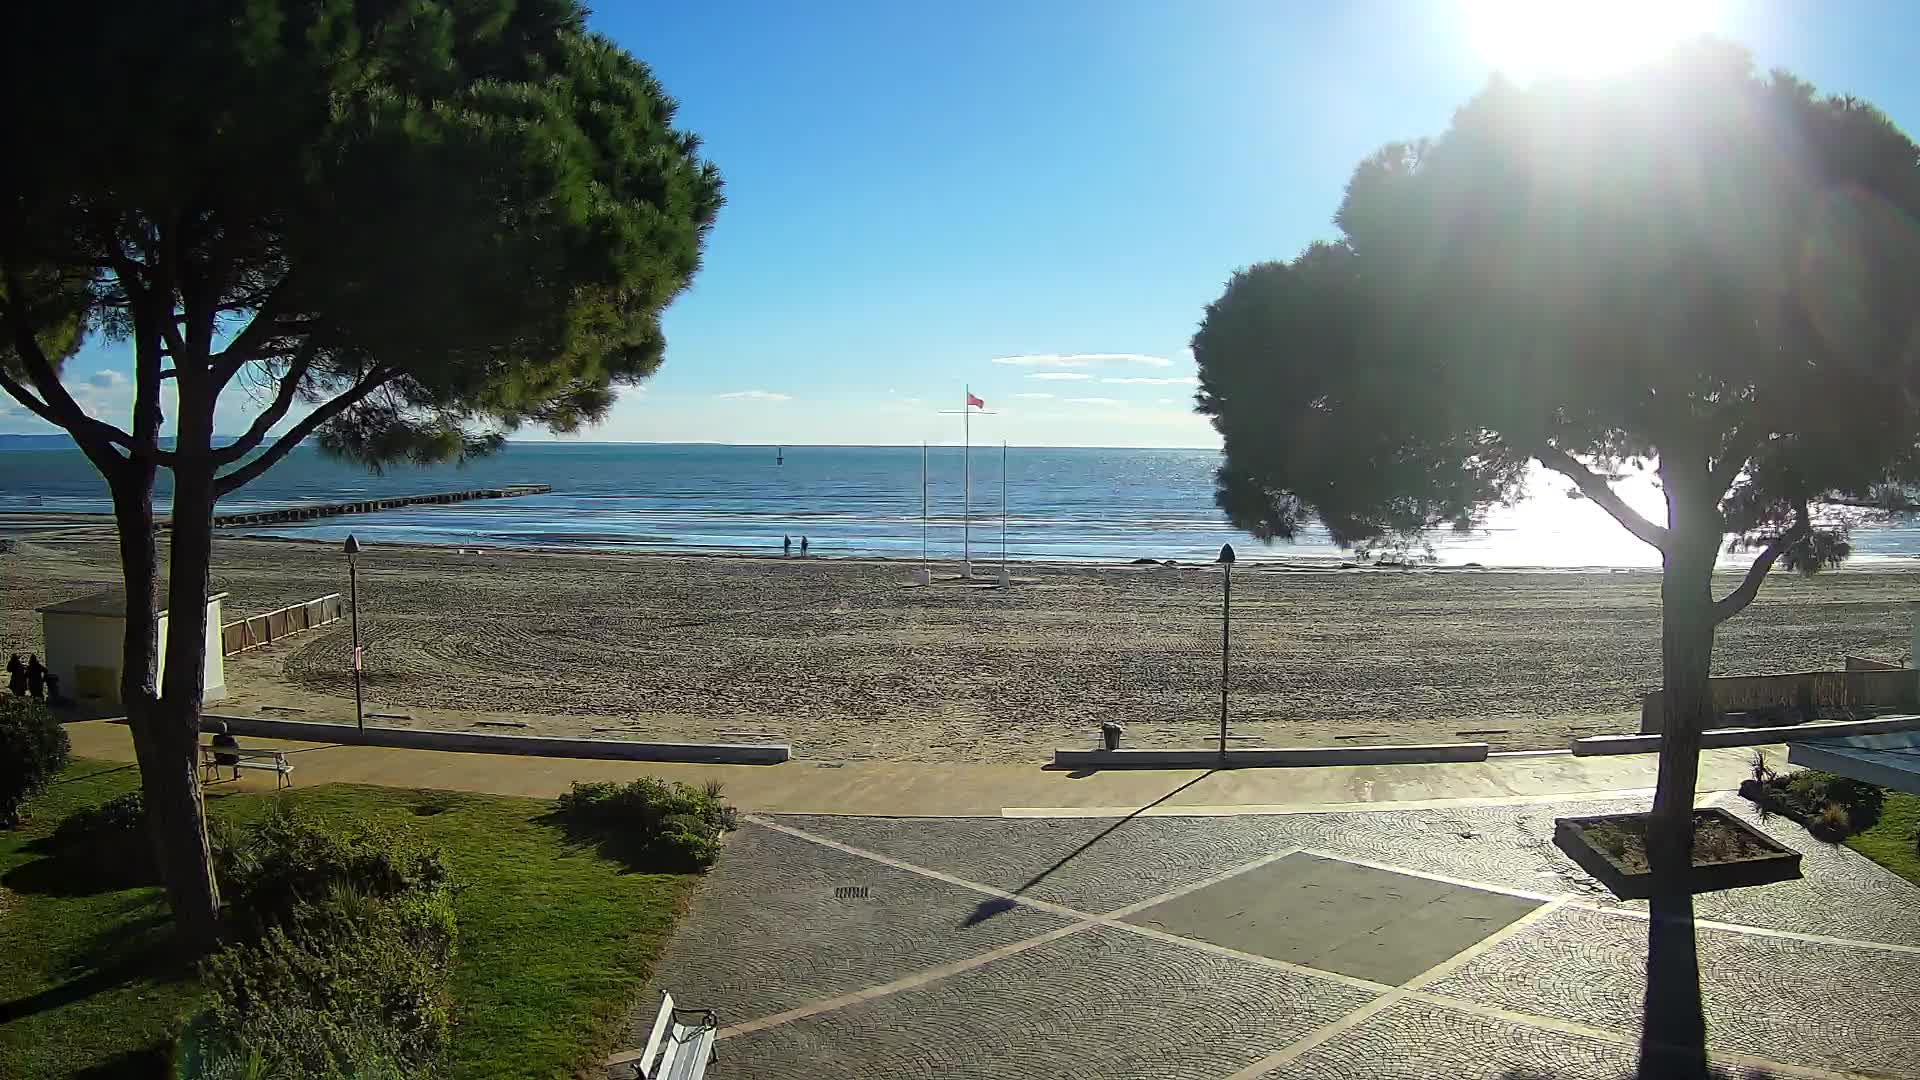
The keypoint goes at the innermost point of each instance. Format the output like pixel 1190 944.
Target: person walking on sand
pixel 803 545
pixel 786 544
pixel 36 677
pixel 16 677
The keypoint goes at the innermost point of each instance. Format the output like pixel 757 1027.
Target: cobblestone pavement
pixel 1454 943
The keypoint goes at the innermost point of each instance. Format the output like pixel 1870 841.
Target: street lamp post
pixel 1226 639
pixel 353 592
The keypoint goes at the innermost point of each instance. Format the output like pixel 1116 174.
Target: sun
pixel 1526 39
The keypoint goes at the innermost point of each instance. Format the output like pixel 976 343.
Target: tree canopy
pixel 1691 264
pixel 427 220
pixel 403 227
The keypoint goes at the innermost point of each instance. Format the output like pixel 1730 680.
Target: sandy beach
pixel 848 662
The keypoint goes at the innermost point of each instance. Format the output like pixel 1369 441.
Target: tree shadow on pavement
pixel 996 905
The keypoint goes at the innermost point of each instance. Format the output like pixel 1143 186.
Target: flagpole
pixel 923 506
pixel 1003 513
pixel 966 498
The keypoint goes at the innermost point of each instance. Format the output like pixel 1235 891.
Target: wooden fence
pixel 1895 687
pixel 251 633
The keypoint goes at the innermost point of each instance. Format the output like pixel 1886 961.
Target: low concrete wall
pixel 1863 663
pixel 475 742
pixel 1751 736
pixel 1870 758
pixel 1247 757
pixel 1832 689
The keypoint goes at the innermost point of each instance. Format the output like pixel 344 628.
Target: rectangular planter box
pixel 1772 862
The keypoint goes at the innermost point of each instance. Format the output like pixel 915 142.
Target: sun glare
pixel 1526 39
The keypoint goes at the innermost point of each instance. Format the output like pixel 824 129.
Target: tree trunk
pixel 1673 1038
pixel 169 777
pixel 183 687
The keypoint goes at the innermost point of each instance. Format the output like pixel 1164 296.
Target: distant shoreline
pixel 988 568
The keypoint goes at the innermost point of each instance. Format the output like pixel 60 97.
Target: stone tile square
pixel 1100 1004
pixel 766 933
pixel 1797 1002
pixel 1089 864
pixel 1338 916
pixel 1413 1040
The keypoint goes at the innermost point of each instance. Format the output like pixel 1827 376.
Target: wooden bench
pixel 274 761
pixel 678 1050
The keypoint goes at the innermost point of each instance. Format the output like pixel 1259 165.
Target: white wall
pixel 74 641
pixel 215 677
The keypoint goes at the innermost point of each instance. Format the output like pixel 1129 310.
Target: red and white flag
pixel 356 658
pixel 974 402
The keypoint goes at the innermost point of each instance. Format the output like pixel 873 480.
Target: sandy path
pixel 848 663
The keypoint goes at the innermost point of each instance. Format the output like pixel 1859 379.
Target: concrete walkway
pixel 972 790
pixel 1437 944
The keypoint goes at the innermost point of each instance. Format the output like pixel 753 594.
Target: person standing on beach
pixel 803 545
pixel 786 544
pixel 36 677
pixel 16 677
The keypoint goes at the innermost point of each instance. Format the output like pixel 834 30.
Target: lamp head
pixel 352 546
pixel 1226 554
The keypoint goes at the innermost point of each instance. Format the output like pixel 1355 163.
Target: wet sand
pixel 848 662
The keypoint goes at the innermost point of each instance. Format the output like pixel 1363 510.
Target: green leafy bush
pixel 272 867
pixel 343 972
pixel 652 823
pixel 1830 806
pixel 111 839
pixel 33 746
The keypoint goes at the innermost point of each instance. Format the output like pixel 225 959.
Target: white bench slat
pixel 660 1024
pixel 695 1049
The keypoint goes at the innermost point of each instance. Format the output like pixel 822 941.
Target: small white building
pixel 86 640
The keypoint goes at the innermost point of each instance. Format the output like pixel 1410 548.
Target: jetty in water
pixel 368 506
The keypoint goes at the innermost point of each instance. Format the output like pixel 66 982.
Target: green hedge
pixel 347 938
pixel 651 824
pixel 33 746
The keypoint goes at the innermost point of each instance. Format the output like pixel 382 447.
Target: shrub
pixel 111 839
pixel 268 870
pixel 1831 824
pixel 651 822
pixel 1822 801
pixel 33 746
pixel 344 972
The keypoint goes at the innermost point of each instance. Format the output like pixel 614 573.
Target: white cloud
pixel 1081 360
pixel 754 395
pixel 1033 397
pixel 1060 376
pixel 1164 401
pixel 912 401
pixel 1174 380
pixel 1093 401
pixel 108 379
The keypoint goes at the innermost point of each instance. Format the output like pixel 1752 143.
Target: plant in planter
pixel 1831 807
pixel 1110 732
pixel 1727 852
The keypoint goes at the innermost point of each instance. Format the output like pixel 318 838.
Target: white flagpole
pixel 966 498
pixel 1003 513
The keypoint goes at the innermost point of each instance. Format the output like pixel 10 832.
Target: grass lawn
pixel 554 939
pixel 1890 841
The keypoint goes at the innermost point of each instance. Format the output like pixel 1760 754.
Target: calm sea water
pixel 1062 504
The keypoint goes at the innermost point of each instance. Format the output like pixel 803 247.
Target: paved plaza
pixel 1451 942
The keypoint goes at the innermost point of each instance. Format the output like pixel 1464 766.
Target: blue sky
pixel 917 190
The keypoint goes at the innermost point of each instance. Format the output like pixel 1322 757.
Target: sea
pixel 1032 503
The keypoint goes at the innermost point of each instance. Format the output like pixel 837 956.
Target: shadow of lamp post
pixel 1226 639
pixel 352 548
